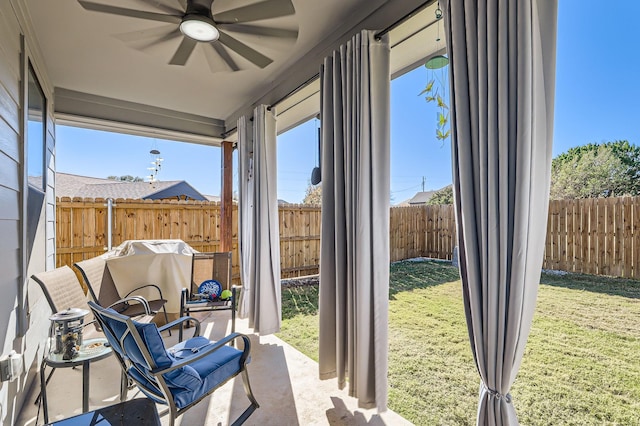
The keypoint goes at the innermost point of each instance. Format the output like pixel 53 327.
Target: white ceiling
pixel 101 74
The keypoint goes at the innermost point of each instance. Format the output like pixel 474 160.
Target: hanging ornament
pixel 315 173
pixel 156 165
pixel 436 89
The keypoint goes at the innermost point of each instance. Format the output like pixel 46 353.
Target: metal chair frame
pixel 96 269
pixel 161 390
pixel 220 271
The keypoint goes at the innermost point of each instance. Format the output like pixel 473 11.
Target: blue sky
pixel 597 100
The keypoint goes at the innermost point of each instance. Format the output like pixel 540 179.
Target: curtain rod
pixel 377 36
pixel 405 18
pixel 270 107
pixel 298 88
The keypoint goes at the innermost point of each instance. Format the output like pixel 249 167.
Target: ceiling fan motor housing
pixel 200 8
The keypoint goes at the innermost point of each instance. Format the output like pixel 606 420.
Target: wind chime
pixel 436 89
pixel 156 165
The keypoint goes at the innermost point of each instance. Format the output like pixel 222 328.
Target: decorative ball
pixel 226 294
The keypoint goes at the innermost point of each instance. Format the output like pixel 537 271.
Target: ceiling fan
pixel 196 24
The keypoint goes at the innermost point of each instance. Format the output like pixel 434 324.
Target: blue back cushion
pixel 182 378
pixel 150 336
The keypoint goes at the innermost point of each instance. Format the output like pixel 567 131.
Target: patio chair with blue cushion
pixel 180 376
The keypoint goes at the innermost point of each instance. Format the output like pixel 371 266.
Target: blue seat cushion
pixel 199 377
pixel 187 383
pixel 192 381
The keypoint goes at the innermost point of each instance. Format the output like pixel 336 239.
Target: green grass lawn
pixel 581 365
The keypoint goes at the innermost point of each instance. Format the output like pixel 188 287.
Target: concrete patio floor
pixel 284 381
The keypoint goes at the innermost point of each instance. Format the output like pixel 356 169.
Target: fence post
pixel 110 206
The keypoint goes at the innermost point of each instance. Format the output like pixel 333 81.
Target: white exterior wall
pixel 20 298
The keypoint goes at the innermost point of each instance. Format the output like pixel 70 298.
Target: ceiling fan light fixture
pixel 199 28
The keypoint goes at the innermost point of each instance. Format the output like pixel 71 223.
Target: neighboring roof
pixel 215 198
pixel 68 185
pixel 422 197
pixel 179 189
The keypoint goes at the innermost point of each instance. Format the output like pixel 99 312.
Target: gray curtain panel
pixel 502 72
pixel 259 229
pixel 246 226
pixel 354 243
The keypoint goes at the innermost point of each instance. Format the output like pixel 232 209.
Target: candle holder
pixel 66 332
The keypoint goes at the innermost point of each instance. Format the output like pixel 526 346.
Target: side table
pixel 91 350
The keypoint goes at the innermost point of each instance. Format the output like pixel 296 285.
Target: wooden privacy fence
pixel 597 236
pixel 417 231
pixel 594 236
pixel 82 230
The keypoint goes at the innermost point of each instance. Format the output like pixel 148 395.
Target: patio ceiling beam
pixel 102 113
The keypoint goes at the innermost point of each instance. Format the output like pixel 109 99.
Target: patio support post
pixel 226 202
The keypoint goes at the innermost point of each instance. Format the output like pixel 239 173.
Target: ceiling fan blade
pixel 183 4
pixel 222 52
pixel 167 37
pixel 261 31
pixel 245 51
pixel 114 10
pixel 164 7
pixel 149 34
pixel 184 51
pixel 255 12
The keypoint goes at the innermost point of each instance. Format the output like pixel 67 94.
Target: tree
pixel 313 195
pixel 442 196
pixel 596 170
pixel 126 178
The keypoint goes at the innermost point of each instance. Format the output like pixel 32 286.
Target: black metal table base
pixel 139 412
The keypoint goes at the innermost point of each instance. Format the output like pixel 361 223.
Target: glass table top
pixel 91 350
